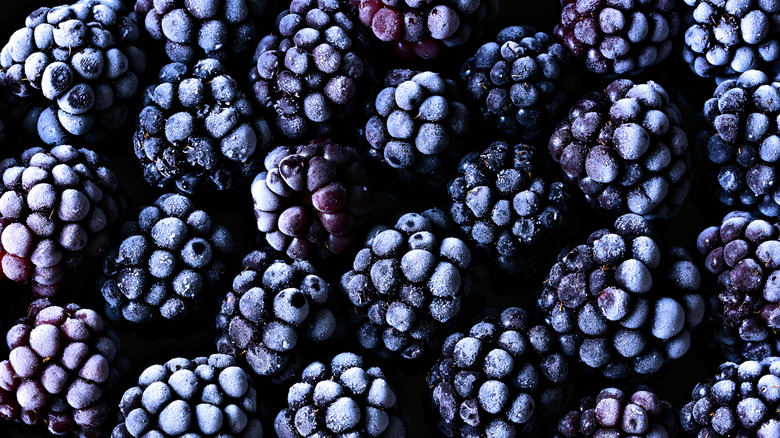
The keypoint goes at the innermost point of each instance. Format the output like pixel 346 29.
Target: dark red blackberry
pixel 617 37
pixel 424 28
pixel 503 205
pixel 621 306
pixel 63 366
pixel 309 72
pixel 312 199
pixel 55 209
pixel 169 262
pixel 625 149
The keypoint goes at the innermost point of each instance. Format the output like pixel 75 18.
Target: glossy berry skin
pixel 613 412
pixel 626 150
pixel 731 37
pixel 56 208
pixel 503 206
pixel 309 71
pixel 78 66
pixel 618 37
pixel 500 378
pixel 312 199
pixel 620 305
pixel 167 265
pixel 63 367
pixel 192 30
pixel 277 310
pixel 741 399
pixel 206 396
pixel 343 398
pixel 424 29
pixel 521 81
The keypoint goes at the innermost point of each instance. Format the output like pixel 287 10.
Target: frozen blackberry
pixel 55 209
pixel 423 28
pixel 63 367
pixel 197 29
pixel 625 149
pixel 620 305
pixel 79 64
pixel 521 81
pixel 309 72
pixel 615 413
pixel 198 131
pixel 276 310
pixel 733 36
pixel 504 207
pixel 169 262
pixel 743 142
pixel 312 199
pixel 500 378
pixel 341 399
pixel 741 400
pixel 203 397
pixel 618 37
pixel 416 127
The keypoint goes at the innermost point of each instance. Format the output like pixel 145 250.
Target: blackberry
pixel 416 127
pixel 170 260
pixel 625 149
pixel 618 37
pixel 499 379
pixel 200 29
pixel 410 285
pixel 521 81
pixel 197 130
pixel 743 143
pixel 615 413
pixel 742 399
pixel 619 304
pixel 731 37
pixel 309 72
pixel 273 303
pixel 79 64
pixel 55 209
pixel 63 366
pixel 343 398
pixel 502 205
pixel 312 199
pixel 423 28
pixel 204 397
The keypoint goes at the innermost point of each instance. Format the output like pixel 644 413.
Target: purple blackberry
pixel 500 378
pixel 615 413
pixel 79 64
pixel 169 262
pixel 410 285
pixel 728 37
pixel 276 310
pixel 424 28
pixel 312 199
pixel 521 82
pixel 197 29
pixel 204 397
pixel 309 72
pixel 625 149
pixel 617 37
pixel 742 399
pixel 341 399
pixel 55 209
pixel 620 305
pixel 63 366
pixel 416 127
pixel 504 207
pixel 197 130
